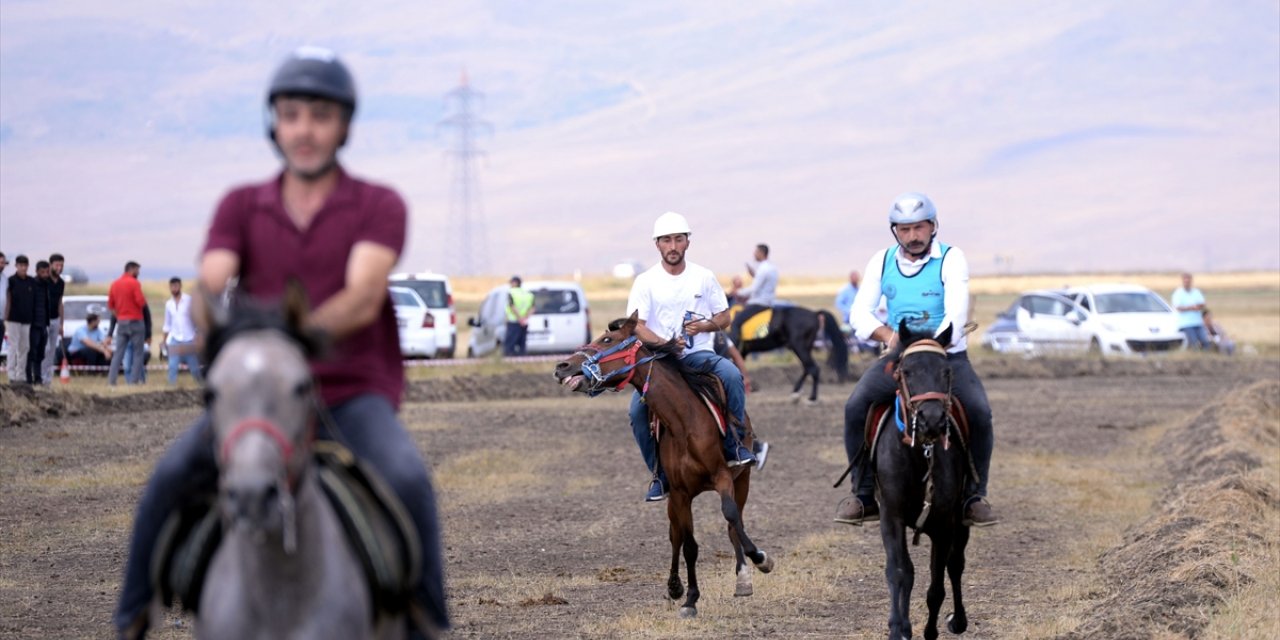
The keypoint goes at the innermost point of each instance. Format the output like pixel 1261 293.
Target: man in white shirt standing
pixel 760 294
pixel 926 283
pixel 679 299
pixel 180 333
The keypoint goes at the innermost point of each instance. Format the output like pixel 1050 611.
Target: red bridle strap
pixel 628 356
pixel 258 424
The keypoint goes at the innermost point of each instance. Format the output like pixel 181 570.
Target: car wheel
pixel 1095 347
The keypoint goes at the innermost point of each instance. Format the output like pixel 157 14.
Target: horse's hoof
pixel 811 402
pixel 688 612
pixel 766 565
pixel 674 593
pixel 795 398
pixel 744 583
pixel 956 624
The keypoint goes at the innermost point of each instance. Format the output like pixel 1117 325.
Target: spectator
pixel 19 311
pixel 89 344
pixel 180 333
pixel 57 287
pixel 844 299
pixel 760 294
pixel 4 293
pixel 126 302
pixel 1217 335
pixel 39 330
pixel 519 308
pixel 1189 302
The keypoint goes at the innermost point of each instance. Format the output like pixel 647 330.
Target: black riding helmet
pixel 314 72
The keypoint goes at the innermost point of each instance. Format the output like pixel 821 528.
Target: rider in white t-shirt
pixel 679 299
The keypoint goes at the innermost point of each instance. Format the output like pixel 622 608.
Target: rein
pixel 627 351
pixel 913 403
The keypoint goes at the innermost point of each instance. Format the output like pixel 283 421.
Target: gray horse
pixel 284 568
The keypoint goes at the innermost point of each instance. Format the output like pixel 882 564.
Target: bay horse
pixel 921 464
pixel 797 329
pixel 284 567
pixel 689 442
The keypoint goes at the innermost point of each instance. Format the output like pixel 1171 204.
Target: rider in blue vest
pixel 926 283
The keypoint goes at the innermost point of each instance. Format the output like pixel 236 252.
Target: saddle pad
pixel 757 327
pixel 376 523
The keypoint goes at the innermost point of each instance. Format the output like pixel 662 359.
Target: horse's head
pixel 924 381
pixel 610 361
pixel 259 398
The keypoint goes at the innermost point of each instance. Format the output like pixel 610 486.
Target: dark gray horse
pixel 284 568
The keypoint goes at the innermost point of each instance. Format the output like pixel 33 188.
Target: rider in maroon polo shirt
pixel 340 237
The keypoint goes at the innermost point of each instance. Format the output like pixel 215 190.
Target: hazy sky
pixel 1093 135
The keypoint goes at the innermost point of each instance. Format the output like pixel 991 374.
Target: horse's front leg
pixel 939 555
pixel 899 574
pixel 957 622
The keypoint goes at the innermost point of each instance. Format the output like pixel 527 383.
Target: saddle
pixel 376 523
pixel 757 326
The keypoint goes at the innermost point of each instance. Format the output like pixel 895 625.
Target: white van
pixel 436 291
pixel 561 320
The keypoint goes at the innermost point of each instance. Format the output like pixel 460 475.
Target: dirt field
pixel 547 536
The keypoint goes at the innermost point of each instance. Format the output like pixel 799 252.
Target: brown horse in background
pixel 689 442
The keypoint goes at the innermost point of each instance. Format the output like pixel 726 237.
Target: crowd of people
pixel 34 321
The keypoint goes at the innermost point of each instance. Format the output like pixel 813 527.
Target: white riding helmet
pixel 670 223
pixel 912 207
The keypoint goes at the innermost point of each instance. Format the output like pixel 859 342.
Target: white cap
pixel 670 223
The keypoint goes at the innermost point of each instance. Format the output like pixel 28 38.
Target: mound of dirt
pixel 1175 569
pixel 22 405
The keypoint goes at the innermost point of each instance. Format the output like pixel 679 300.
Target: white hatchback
pixel 1109 319
pixel 437 293
pixel 561 320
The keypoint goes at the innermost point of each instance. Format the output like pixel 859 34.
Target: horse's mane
pixel 243 314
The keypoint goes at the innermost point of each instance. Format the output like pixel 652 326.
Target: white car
pixel 435 290
pixel 1109 319
pixel 561 320
pixel 418 327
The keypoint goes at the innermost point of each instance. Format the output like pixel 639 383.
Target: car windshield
pixel 402 298
pixel 431 291
pixel 555 301
pixel 79 309
pixel 1131 302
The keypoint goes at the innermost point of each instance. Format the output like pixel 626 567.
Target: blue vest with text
pixel 917 298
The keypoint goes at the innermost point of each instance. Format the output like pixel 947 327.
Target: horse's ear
pixel 944 338
pixel 296 306
pixel 630 325
pixel 214 312
pixel 904 332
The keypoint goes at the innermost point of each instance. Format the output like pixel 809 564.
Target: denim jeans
pixel 184 353
pixel 1197 337
pixel 877 386
pixel 702 361
pixel 513 341
pixel 129 337
pixel 367 425
pixel 51 351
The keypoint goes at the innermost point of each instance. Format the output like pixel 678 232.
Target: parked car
pixel 1108 319
pixel 418 327
pixel 435 290
pixel 561 320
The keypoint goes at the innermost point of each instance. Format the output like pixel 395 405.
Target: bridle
pixel 627 351
pixel 287 455
pixel 913 402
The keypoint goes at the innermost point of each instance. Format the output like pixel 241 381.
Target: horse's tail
pixel 838 356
